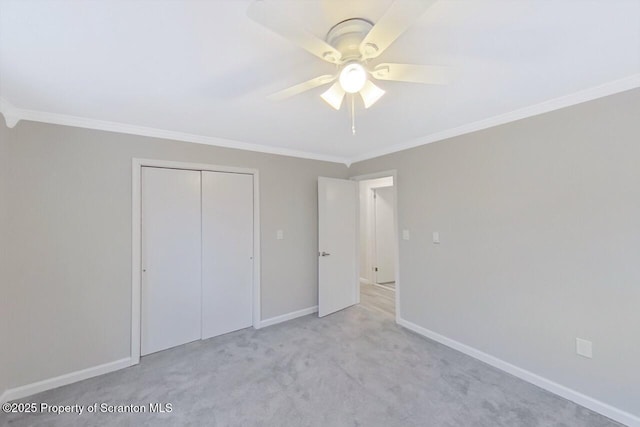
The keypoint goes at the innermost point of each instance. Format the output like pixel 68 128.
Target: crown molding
pixel 13 115
pixel 9 112
pixel 600 91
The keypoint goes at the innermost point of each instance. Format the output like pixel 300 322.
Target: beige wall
pixel 70 240
pixel 4 227
pixel 539 224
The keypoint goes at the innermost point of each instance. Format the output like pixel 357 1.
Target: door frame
pixel 383 174
pixel 136 238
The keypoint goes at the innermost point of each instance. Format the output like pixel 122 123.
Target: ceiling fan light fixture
pixel 334 96
pixel 350 45
pixel 353 77
pixel 370 94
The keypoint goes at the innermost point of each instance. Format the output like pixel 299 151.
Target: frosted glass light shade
pixel 353 77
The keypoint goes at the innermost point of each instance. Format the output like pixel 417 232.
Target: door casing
pixel 382 174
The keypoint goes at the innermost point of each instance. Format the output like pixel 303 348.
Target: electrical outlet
pixel 584 348
pixel 405 234
pixel 279 235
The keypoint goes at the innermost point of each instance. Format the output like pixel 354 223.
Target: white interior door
pixel 337 240
pixel 384 235
pixel 171 235
pixel 227 252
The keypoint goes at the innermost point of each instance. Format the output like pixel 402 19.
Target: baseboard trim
pixel 72 377
pixel 288 316
pixel 551 386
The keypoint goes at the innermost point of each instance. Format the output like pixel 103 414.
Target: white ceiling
pixel 203 69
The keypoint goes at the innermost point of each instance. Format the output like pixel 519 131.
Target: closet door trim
pixel 136 237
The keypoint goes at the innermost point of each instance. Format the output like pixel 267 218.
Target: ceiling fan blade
pixel 302 87
pixel 427 74
pixel 370 94
pixel 400 15
pixel 268 16
pixel 334 96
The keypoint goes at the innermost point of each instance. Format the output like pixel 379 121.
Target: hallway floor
pixel 379 299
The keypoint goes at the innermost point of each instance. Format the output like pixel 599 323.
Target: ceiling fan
pixel 351 45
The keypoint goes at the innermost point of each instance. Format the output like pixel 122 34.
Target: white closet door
pixel 171 258
pixel 227 252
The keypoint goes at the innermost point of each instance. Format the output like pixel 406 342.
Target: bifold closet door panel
pixel 171 258
pixel 227 252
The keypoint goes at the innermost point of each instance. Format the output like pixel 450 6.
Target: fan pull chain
pixel 353 115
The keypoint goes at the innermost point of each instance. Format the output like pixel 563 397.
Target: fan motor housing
pixel 347 35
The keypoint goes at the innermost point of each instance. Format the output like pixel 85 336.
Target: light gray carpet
pixel 353 368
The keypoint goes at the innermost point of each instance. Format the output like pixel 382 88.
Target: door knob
pixel 323 253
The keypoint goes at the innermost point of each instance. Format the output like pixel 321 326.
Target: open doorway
pixel 378 244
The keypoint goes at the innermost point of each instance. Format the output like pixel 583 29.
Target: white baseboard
pixel 72 377
pixel 366 281
pixel 48 384
pixel 569 394
pixel 288 316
